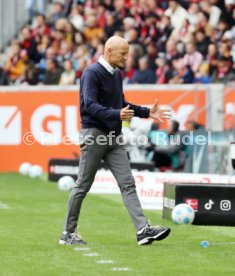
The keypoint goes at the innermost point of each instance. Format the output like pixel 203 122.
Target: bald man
pixel 103 108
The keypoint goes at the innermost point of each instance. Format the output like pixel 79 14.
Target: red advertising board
pixel 42 124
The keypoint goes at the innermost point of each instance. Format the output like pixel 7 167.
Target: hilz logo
pixel 10 125
pixel 193 202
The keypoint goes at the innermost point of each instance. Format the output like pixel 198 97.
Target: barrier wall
pixel 150 185
pixel 39 123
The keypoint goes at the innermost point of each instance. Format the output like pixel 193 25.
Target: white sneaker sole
pixel 63 242
pixel 145 241
pixel 158 237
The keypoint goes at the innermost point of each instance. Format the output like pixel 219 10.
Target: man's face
pixel 119 55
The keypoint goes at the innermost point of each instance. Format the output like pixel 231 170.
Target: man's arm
pixel 139 111
pixel 154 112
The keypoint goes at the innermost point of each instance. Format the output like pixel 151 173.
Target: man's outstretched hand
pixel 159 114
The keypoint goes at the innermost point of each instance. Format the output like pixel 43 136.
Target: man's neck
pixel 107 60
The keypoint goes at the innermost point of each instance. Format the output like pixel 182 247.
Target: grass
pixel 30 229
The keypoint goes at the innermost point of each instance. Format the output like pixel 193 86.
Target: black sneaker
pixel 148 234
pixel 71 238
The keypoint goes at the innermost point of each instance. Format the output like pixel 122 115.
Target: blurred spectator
pixel 100 14
pixel 182 73
pixel 30 76
pixel 57 37
pixel 69 75
pixel 81 52
pixel 92 30
pixel 79 39
pixel 129 70
pixel 29 44
pixel 111 24
pixel 177 14
pixel 3 77
pixel 42 65
pixel 53 72
pixel 219 31
pixel 212 59
pixel 164 30
pixel 213 11
pixel 82 66
pixel 202 32
pixel 133 36
pixel 151 52
pixel 202 42
pixel 63 25
pixel 99 50
pixel 57 13
pixel 143 75
pixel 193 13
pixel 162 72
pixel 171 153
pixel 192 57
pixel 39 27
pixel 203 24
pixel 65 52
pixel 128 24
pixel 43 45
pixel 148 31
pixel 202 76
pixel 224 73
pixel 76 17
pixel 15 64
pixel 183 33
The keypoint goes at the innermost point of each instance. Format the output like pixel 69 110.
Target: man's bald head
pixel 116 50
pixel 115 42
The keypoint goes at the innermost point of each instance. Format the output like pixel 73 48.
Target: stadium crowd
pixel 170 42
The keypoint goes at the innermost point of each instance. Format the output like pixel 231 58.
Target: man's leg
pixel 120 167
pixel 89 163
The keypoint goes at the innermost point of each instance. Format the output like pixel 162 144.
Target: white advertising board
pixel 149 185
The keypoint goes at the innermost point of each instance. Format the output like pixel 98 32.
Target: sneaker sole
pixel 66 243
pixel 162 235
pixel 63 242
pixel 158 237
pixel 146 241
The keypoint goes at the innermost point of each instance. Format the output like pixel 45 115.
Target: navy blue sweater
pixel 101 99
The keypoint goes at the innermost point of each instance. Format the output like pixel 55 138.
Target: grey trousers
pixel 115 155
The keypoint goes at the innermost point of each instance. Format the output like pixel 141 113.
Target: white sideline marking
pixel 81 248
pixel 104 262
pixel 4 206
pixel 92 254
pixel 221 243
pixel 120 269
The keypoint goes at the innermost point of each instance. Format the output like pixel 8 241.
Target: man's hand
pixel 126 114
pixel 159 114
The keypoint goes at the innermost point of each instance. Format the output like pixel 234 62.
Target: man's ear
pixel 109 51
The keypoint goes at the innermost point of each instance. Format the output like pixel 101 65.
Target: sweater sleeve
pixel 90 94
pixel 139 111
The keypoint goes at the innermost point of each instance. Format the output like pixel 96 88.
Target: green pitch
pixel 32 213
